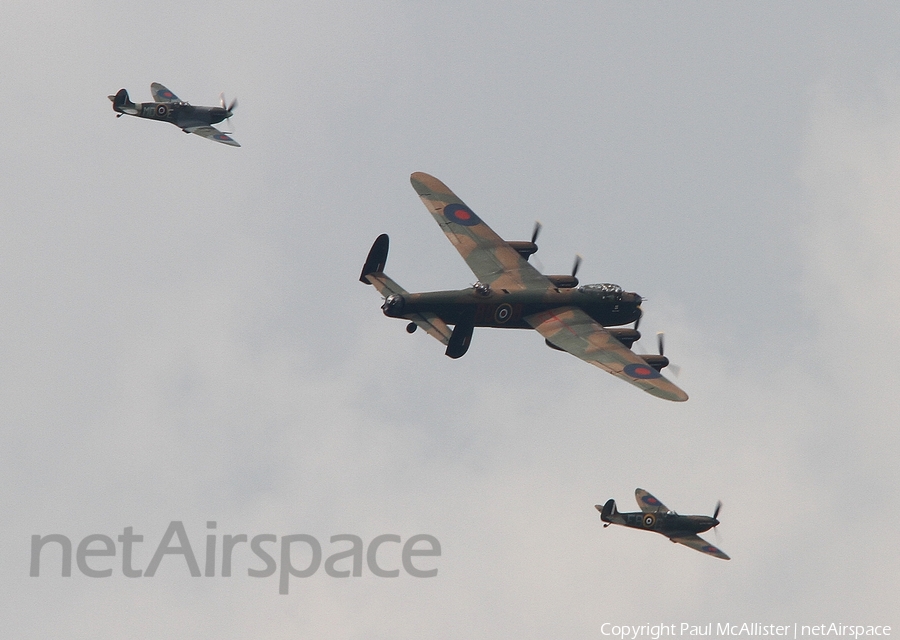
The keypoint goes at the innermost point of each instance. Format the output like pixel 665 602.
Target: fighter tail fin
pixel 122 104
pixel 609 510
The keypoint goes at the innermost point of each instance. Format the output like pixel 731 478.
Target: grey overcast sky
pixel 183 336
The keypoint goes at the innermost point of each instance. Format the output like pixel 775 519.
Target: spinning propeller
pixel 576 265
pixel 534 236
pixel 716 518
pixel 660 343
pixel 229 110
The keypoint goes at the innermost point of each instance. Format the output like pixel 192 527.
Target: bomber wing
pixel 161 94
pixel 490 258
pixel 698 543
pixel 213 134
pixel 428 322
pixel 648 503
pixel 572 330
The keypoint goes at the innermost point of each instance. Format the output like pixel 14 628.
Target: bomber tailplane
pixel 373 273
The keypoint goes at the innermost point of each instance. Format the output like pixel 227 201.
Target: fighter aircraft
pixel 655 516
pixel 168 108
pixel 511 293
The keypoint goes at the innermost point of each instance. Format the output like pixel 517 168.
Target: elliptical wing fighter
pixel 167 107
pixel 655 516
pixel 510 293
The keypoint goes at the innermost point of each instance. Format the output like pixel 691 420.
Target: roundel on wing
pixel 709 549
pixel 461 215
pixel 649 520
pixel 503 313
pixel 648 499
pixel 641 371
pixel 165 93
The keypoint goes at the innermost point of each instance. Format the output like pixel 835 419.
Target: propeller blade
pixel 716 512
pixel 576 265
pixel 232 106
pixel 638 321
pixel 537 230
pixel 222 99
pixel 661 346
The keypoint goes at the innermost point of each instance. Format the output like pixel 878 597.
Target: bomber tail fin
pixel 122 103
pixel 377 258
pixel 373 273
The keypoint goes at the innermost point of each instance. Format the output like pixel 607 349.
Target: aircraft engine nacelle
pixel 525 249
pixel 563 282
pixel 657 362
pixel 626 336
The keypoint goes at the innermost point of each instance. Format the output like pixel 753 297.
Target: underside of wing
pixel 647 502
pixel 572 330
pixel 433 326
pixel 213 134
pixel 698 543
pixel 489 257
pixel 428 322
pixel 161 94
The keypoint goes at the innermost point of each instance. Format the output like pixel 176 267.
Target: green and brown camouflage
pixel 167 107
pixel 510 293
pixel 655 516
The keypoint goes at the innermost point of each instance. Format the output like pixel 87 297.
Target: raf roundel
pixel 641 371
pixel 503 313
pixel 648 499
pixel 461 215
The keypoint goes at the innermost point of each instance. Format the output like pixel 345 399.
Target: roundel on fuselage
pixel 649 520
pixel 503 313
pixel 461 215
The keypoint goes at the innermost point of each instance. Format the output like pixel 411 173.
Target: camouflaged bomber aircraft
pixel 655 516
pixel 510 293
pixel 168 108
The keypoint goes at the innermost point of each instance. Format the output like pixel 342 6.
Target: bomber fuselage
pixel 607 304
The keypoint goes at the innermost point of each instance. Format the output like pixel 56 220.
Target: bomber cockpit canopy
pixel 604 290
